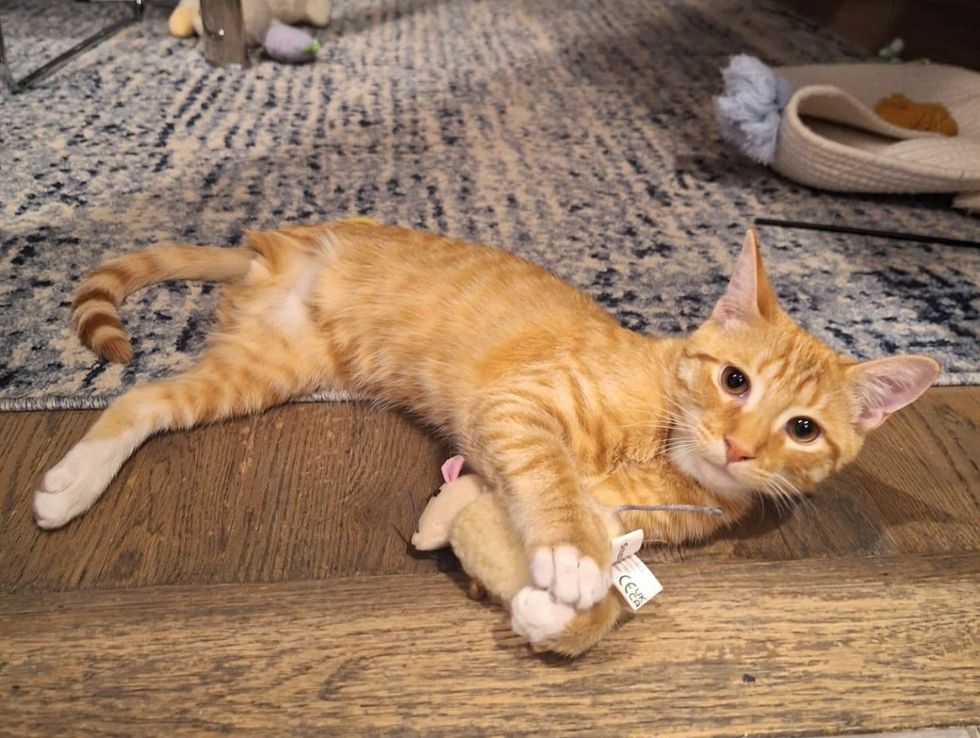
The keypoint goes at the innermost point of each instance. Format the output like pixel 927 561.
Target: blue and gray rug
pixel 579 133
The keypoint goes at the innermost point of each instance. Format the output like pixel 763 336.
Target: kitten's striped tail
pixel 95 308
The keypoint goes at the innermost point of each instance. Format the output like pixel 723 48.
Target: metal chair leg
pixel 62 59
pixel 5 76
pixel 224 32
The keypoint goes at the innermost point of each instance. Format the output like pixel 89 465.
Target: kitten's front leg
pixel 558 628
pixel 520 447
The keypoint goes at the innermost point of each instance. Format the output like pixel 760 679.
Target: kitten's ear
pixel 883 386
pixel 749 295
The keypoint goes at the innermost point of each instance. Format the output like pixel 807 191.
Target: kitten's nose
pixel 735 451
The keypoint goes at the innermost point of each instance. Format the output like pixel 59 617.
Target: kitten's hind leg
pixel 229 380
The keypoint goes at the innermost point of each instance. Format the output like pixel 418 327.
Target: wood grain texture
pixel 311 491
pixel 804 648
pixel 305 491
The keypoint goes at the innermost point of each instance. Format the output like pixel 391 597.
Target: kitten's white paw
pixel 536 616
pixel 573 579
pixel 75 482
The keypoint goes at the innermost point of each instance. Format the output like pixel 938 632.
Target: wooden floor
pixel 254 578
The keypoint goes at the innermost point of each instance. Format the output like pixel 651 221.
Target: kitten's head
pixel 760 404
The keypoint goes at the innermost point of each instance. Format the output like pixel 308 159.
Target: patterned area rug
pixel 579 133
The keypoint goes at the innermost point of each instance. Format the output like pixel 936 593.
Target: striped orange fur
pixel 95 308
pixel 563 411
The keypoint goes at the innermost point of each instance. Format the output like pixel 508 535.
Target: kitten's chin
pixel 715 477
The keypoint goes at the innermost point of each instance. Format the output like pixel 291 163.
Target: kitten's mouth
pixel 719 468
pixel 696 463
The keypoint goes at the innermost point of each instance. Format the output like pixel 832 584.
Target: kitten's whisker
pixel 645 424
pixel 681 410
pixel 780 496
pixel 651 425
pixel 681 413
pixel 805 503
pixel 681 440
pixel 782 486
pixel 680 443
pixel 671 422
pixel 788 483
pixel 790 491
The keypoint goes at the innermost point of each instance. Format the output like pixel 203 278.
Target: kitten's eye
pixel 734 381
pixel 802 429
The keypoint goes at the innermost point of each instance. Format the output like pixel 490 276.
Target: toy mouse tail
pixel 95 308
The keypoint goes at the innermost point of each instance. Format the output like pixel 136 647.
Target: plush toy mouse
pixel 464 514
pixel 471 518
pixel 474 520
pixel 267 24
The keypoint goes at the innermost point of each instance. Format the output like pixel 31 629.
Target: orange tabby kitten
pixel 563 411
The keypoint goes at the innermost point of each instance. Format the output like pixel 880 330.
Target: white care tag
pixel 635 582
pixel 627 544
